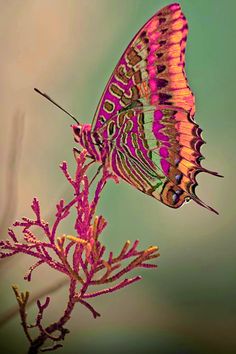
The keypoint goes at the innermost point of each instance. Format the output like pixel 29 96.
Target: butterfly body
pixel 144 128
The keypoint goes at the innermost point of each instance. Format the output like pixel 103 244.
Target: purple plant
pixel 80 257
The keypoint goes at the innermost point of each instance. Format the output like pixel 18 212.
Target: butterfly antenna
pixel 56 104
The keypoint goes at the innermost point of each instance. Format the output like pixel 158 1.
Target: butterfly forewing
pixel 151 70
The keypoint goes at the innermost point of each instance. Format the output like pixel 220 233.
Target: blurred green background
pixel 69 49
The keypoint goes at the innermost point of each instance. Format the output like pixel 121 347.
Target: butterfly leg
pixel 96 174
pixel 77 152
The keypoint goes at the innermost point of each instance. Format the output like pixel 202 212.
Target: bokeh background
pixel 69 49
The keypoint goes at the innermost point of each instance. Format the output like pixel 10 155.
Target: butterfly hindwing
pixel 157 151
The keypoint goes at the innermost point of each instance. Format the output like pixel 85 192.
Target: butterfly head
pixel 81 133
pixel 77 129
pixel 84 136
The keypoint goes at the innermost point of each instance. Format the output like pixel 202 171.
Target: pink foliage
pixel 80 257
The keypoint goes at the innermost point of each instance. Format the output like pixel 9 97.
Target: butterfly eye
pixel 77 129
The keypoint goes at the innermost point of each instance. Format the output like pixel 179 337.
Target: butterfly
pixel 143 129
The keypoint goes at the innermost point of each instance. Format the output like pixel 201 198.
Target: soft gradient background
pixel 69 49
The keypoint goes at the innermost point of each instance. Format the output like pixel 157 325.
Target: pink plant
pixel 80 257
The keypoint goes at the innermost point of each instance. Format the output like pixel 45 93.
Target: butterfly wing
pixel 147 112
pixel 158 152
pixel 151 70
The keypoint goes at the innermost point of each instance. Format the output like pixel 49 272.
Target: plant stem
pixel 37 343
pixel 11 313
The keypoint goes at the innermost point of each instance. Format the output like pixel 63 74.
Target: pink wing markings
pixel 151 70
pixel 146 113
pixel 158 152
